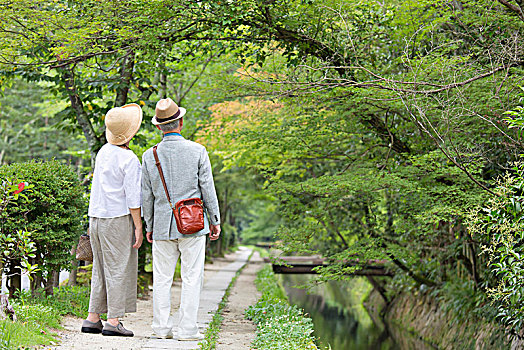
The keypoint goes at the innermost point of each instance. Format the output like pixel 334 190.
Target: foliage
pixel 500 226
pixel 15 245
pixel 17 335
pixel 83 276
pixel 37 314
pixel 465 302
pixel 66 300
pixel 362 130
pixel 5 338
pixel 96 64
pixel 279 325
pixel 27 119
pixel 52 211
pixel 377 128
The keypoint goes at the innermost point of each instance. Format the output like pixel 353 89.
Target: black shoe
pixel 92 327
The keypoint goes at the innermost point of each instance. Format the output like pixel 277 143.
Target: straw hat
pixel 122 123
pixel 167 111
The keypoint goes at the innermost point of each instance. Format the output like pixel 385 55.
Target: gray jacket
pixel 187 171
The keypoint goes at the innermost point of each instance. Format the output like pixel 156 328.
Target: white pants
pixel 165 255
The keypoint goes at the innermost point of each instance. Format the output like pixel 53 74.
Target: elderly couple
pixel 121 189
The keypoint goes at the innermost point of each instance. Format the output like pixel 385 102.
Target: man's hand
pixel 215 232
pixel 139 237
pixel 149 237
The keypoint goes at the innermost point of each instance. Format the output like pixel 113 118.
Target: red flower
pixel 21 186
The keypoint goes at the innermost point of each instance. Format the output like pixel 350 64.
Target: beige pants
pixel 115 266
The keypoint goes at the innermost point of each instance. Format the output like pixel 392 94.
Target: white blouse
pixel 116 183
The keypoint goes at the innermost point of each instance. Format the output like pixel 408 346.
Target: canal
pixel 340 319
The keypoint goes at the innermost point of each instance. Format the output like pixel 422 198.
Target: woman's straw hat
pixel 122 123
pixel 167 111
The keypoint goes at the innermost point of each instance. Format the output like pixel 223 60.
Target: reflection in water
pixel 340 319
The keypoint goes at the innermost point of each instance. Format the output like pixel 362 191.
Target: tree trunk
pixel 51 282
pixel 36 283
pixel 219 245
pixel 126 75
pixel 56 279
pixel 163 85
pixel 15 277
pixel 73 273
pixel 95 142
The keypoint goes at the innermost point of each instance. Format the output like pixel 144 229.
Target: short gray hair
pixel 170 126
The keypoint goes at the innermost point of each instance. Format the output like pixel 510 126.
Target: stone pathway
pixel 212 294
pixel 217 277
pixel 237 333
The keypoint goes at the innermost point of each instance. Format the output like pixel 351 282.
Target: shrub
pixel 500 226
pixel 14 246
pixel 52 211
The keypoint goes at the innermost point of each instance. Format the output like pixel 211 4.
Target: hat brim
pixel 134 114
pixel 182 113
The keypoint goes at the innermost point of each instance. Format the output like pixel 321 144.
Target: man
pixel 187 172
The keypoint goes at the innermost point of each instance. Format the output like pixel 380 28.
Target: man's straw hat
pixel 122 123
pixel 167 111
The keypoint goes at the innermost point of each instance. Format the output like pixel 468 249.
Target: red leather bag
pixel 189 213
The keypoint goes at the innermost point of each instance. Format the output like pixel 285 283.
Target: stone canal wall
pixel 424 319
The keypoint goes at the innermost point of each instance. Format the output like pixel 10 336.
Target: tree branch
pixel 514 8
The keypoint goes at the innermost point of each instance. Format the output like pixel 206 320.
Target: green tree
pixel 30 127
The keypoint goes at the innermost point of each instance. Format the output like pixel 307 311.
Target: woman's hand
pixel 137 220
pixel 139 237
pixel 149 236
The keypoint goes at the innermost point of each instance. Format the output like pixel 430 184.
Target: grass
pixel 279 325
pixel 67 300
pixel 211 336
pixel 18 335
pixel 38 314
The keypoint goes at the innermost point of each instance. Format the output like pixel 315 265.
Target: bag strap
pixel 157 162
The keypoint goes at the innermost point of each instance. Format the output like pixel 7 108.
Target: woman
pixel 115 224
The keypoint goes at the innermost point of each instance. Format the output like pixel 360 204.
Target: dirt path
pixel 236 332
pixel 139 322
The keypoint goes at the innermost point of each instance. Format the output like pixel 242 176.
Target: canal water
pixel 340 319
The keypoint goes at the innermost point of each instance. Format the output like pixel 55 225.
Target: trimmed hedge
pixel 52 211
